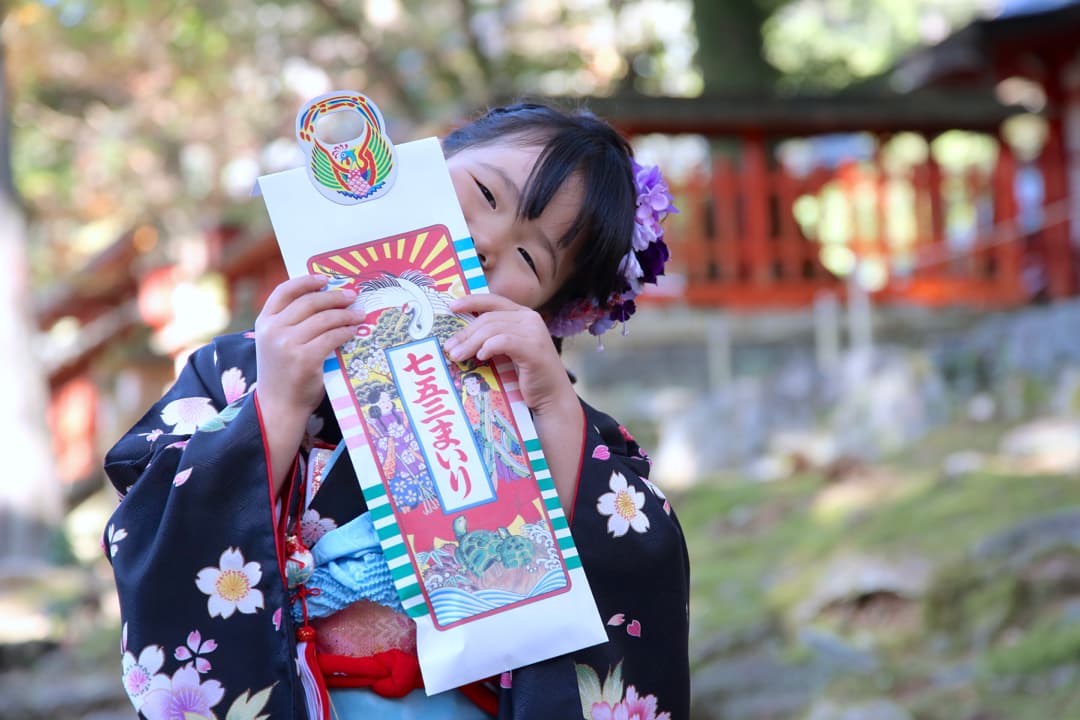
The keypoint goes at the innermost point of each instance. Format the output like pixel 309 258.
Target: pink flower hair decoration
pixel 641 265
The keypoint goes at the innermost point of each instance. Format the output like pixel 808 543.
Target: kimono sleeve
pixel 195 550
pixel 634 554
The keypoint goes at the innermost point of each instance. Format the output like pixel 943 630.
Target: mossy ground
pixel 757 550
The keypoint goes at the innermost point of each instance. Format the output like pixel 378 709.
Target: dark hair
pixel 572 142
pixel 476 376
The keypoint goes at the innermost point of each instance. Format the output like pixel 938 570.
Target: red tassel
pixel 318 701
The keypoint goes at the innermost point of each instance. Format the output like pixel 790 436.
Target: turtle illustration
pixel 478 550
pixel 515 550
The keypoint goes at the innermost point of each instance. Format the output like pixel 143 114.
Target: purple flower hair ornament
pixel 642 264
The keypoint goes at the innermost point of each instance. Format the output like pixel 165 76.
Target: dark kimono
pixel 197 545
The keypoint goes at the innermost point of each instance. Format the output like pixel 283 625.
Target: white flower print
pixel 184 697
pixel 141 676
pixel 231 586
pixel 115 535
pixel 233 384
pixel 314 425
pixel 186 414
pixel 623 506
pixel 313 527
pixel 658 493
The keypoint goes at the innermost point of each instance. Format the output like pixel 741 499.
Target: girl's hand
pixel 506 328
pixel 297 328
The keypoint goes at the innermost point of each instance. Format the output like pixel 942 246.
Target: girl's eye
pixel 528 259
pixel 486 193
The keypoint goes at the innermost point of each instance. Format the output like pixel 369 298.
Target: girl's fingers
pixel 468 342
pixel 313 326
pixel 484 302
pixel 497 345
pixel 305 306
pixel 331 340
pixel 291 289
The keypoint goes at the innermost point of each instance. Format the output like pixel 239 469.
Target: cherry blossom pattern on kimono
pixel 194 543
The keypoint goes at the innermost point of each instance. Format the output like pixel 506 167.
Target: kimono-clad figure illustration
pixel 494 433
pixel 399 454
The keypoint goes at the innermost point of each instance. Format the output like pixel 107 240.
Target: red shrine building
pixel 768 221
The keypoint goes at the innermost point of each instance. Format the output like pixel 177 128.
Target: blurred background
pixel 860 379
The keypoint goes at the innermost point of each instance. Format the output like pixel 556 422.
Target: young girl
pixel 566 226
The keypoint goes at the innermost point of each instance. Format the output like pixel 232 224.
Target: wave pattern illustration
pixel 453 604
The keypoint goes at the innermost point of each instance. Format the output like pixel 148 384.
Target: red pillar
pixel 1059 255
pixel 755 174
pixel 1008 286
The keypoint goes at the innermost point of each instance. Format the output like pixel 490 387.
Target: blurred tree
pixel 828 44
pixel 133 112
pixel 748 46
pixel 29 491
pixel 731 49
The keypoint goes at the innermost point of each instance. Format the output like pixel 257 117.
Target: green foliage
pixel 222 419
pixel 445 326
pixel 1049 644
pixel 832 43
pixel 248 706
pixel 392 329
pixel 757 550
pixel 970 604
pixel 59 551
pixel 163 113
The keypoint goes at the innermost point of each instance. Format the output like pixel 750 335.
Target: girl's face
pixel 522 260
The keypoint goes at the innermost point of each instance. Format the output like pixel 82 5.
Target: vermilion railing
pixel 738 244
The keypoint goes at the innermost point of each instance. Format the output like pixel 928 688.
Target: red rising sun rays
pixel 429 250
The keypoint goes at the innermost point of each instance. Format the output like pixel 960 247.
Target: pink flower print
pixel 632 707
pixel 182 477
pixel 233 384
pixel 115 535
pixel 249 335
pixel 277 619
pixel 603 711
pixel 616 620
pixel 152 435
pixel 641 708
pixel 140 675
pixel 194 648
pixel 623 506
pixel 186 414
pixel 184 698
pixel 231 586
pixel 601 452
pixel 313 526
pixel 626 434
